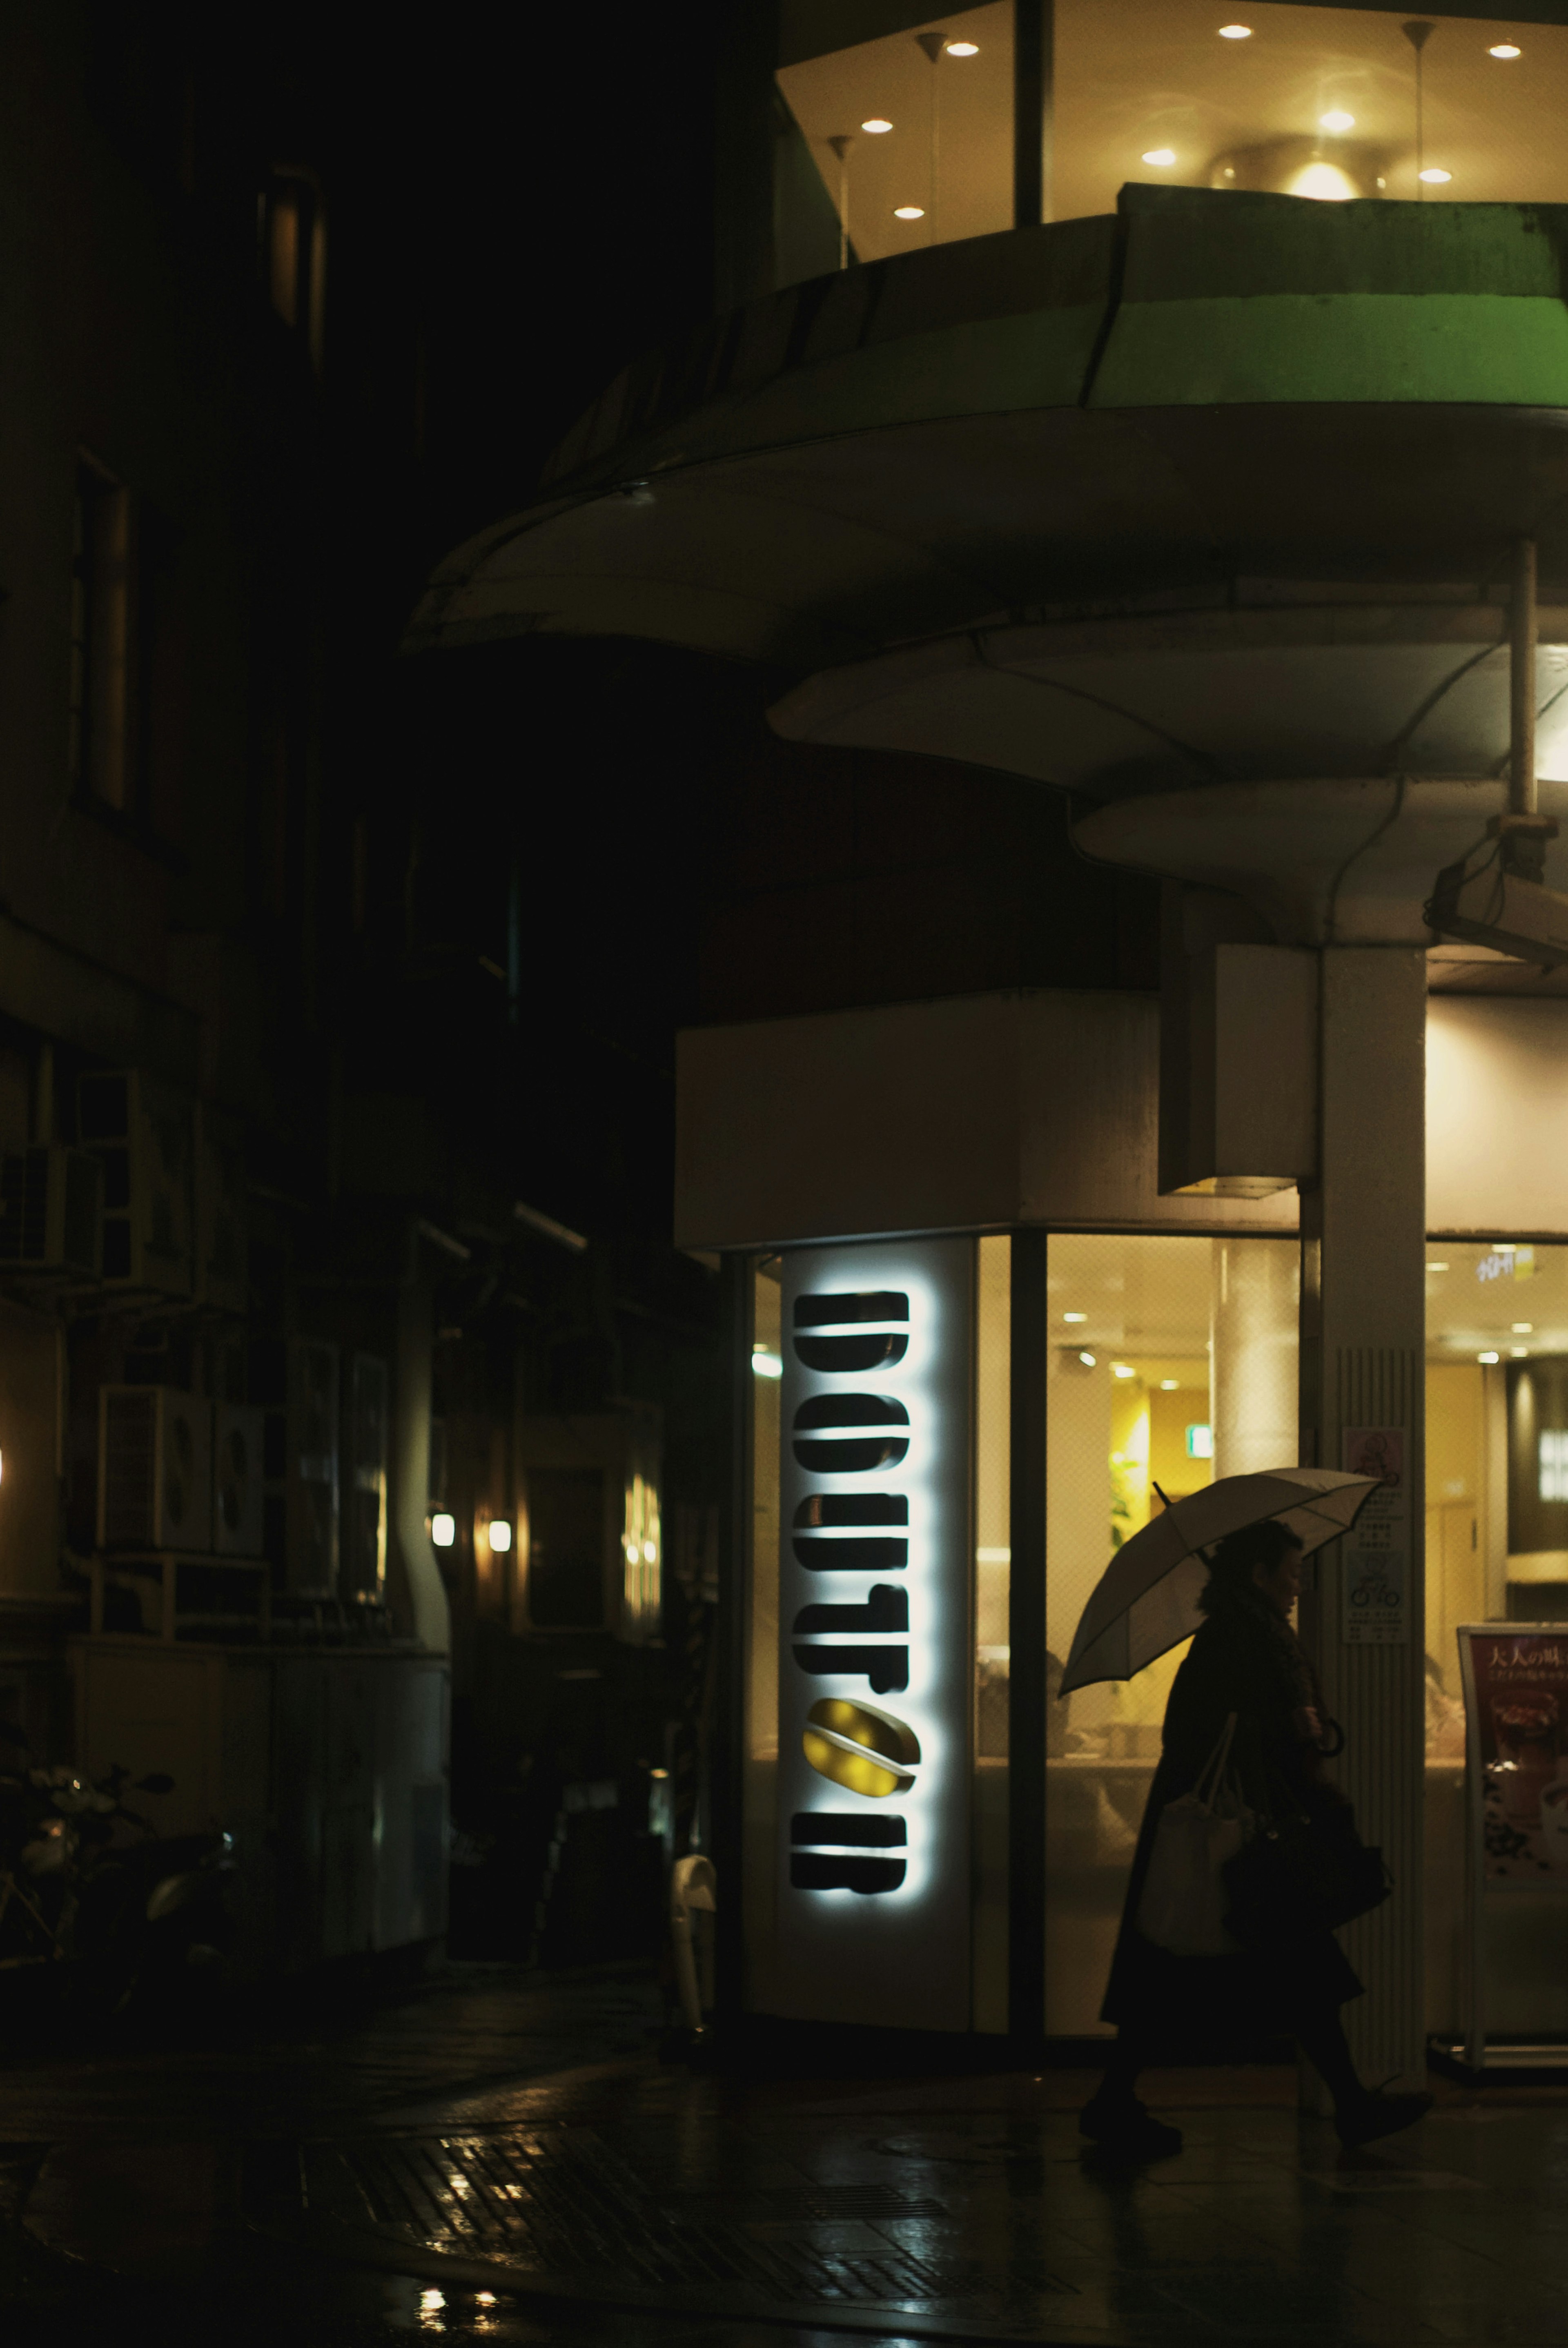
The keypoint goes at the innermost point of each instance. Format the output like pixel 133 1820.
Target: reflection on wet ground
pixel 497 2158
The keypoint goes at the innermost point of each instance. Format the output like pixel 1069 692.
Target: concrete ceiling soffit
pixel 1146 703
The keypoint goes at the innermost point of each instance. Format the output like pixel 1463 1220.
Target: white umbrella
pixel 1146 1601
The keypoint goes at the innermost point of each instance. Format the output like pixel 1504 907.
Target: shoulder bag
pixel 1183 1907
pixel 1305 1871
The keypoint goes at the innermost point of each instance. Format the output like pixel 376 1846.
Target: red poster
pixel 1518 1689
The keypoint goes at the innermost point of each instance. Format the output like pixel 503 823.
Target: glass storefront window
pixel 904 140
pixel 892 144
pixel 1497 1517
pixel 759 1792
pixel 1172 1360
pixel 993 1590
pixel 1312 101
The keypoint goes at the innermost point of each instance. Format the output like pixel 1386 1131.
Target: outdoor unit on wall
pixel 311 1493
pixel 368 1400
pixel 238 1500
pixel 140 1130
pixel 51 1212
pixel 155 1469
pixel 222 1236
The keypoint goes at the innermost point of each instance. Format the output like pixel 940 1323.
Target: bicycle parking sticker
pixel 1377 1554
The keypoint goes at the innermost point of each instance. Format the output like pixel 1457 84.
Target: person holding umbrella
pixel 1244 1704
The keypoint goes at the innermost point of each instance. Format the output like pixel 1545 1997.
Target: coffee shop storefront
pixel 983 1344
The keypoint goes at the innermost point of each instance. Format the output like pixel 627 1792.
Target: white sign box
pixel 875 1633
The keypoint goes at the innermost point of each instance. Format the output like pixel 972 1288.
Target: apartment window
pixel 105 715
pixel 294 252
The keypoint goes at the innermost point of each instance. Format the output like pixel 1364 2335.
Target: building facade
pixel 1165 435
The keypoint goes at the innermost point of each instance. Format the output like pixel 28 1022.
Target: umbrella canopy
pixel 1146 1601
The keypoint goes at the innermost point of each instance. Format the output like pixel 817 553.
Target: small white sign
pixel 1376 1555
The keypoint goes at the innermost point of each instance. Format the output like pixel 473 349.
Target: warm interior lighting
pixel 765 1365
pixel 1075 1316
pixel 1435 179
pixel 1122 1370
pixel 1504 49
pixel 1160 155
pixel 499 1535
pixel 443 1528
pixel 1437 1267
pixel 1169 1385
pixel 1325 183
pixel 1088 1361
pixel 1337 120
pixel 1487 1357
pixel 876 125
pixel 1235 31
pixel 659 1773
pixel 1524 1328
pixel 963 48
pixel 1519 1353
pixel 909 212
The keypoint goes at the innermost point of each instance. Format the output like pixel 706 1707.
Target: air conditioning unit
pixel 222 1238
pixel 310 1476
pixel 141 1132
pixel 51 1211
pixel 368 1398
pixel 239 1516
pixel 155 1469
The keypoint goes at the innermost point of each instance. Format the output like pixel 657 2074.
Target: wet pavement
pixel 492 2157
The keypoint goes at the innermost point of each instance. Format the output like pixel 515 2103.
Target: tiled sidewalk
pixel 375 2187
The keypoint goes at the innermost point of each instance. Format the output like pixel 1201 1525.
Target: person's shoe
pixel 1122 2126
pixel 1379 2116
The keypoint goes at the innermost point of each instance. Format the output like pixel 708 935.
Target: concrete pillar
pixel 1363 1352
pixel 1253 1356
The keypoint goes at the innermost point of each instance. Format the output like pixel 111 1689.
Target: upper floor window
pixel 294 251
pixel 105 708
pixel 913 136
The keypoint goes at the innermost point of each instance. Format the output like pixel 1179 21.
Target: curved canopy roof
pixel 1095 416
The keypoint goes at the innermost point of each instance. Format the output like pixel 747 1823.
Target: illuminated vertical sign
pixel 875 1633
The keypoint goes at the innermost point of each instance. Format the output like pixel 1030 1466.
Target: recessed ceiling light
pixel 1235 31
pixel 1337 120
pixel 1524 1328
pixel 1121 1369
pixel 1504 49
pixel 1486 1357
pixel 1075 1316
pixel 1435 179
pixel 1169 1385
pixel 1437 1267
pixel 1519 1353
pixel 963 48
pixel 1160 155
pixel 1088 1360
pixel 909 212
pixel 876 125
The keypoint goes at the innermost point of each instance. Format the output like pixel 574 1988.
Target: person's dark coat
pixel 1245 1660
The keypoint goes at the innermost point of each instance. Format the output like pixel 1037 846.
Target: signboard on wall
pixel 1515 1680
pixel 875 1633
pixel 1377 1554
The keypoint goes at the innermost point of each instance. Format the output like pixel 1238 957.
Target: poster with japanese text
pixel 1376 1553
pixel 1516 1693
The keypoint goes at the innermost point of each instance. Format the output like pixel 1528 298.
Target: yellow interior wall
pixel 1148 1446
pixel 1456 1556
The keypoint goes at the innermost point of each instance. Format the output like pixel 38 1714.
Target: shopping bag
pixel 1184 1900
